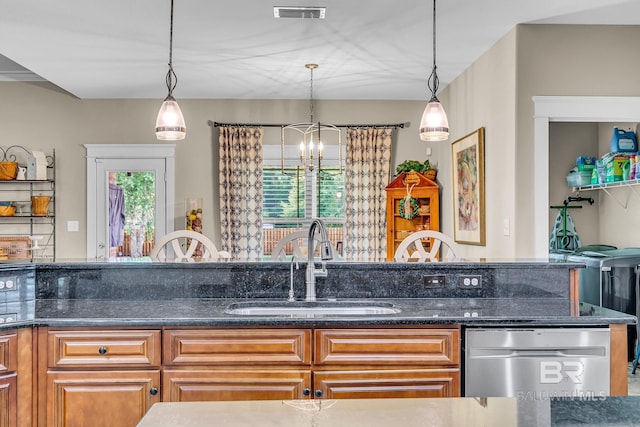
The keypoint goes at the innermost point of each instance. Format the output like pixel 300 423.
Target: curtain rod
pixel 274 125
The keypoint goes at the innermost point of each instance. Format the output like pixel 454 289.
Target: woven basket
pixel 40 205
pixel 7 210
pixel 8 171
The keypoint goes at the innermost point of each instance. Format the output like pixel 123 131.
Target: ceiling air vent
pixel 299 12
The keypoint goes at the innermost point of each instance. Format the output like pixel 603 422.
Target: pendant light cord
pixel 433 82
pixel 171 79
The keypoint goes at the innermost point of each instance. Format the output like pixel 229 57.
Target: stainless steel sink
pixel 315 308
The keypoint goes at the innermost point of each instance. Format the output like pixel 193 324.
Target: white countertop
pixel 445 412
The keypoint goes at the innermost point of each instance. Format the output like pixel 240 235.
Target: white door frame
pixel 567 109
pixel 98 152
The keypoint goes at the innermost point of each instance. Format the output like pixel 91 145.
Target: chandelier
pixel 309 135
pixel 434 125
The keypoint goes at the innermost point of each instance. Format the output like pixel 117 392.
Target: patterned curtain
pixel 241 192
pixel 367 174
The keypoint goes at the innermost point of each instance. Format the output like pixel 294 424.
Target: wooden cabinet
pixel 236 364
pixel 256 364
pixel 421 212
pixel 390 363
pixel 97 377
pixel 8 379
pixel 106 377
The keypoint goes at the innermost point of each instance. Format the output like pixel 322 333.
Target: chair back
pixel 298 241
pixel 192 241
pixel 412 248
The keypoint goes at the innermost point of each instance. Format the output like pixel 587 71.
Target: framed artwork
pixel 467 157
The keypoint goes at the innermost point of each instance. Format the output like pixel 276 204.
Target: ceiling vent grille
pixel 299 12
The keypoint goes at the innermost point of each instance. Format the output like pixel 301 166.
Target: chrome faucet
pixel 325 255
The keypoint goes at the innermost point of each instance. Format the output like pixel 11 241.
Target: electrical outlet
pixel 470 281
pixel 8 283
pixel 434 280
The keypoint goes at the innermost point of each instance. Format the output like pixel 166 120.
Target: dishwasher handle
pixel 521 353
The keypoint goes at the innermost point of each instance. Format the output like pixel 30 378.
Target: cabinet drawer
pixel 8 352
pixel 387 347
pixel 237 384
pixel 237 347
pixel 103 348
pixel 373 384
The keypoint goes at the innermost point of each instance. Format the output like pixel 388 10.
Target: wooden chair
pixel 412 247
pixel 175 241
pixel 298 239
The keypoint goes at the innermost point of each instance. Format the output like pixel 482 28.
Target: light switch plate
pixel 73 226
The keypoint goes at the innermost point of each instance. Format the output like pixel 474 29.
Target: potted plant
pixel 424 168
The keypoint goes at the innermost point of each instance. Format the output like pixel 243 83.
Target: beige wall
pixel 566 60
pixel 40 116
pixel 484 96
pixel 496 92
pixel 567 141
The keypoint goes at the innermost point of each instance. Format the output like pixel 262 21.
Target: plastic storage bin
pixel 578 179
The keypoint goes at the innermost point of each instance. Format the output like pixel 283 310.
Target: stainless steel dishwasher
pixel 537 364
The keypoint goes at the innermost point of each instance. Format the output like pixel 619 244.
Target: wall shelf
pixel 631 186
pixel 39 229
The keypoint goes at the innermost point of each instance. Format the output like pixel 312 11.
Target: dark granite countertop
pixel 211 312
pixel 197 294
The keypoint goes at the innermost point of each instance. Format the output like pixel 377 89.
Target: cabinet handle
pixel 102 350
pixel 306 391
pixel 318 393
pixel 153 391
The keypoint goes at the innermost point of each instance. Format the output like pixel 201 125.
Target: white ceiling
pixel 366 49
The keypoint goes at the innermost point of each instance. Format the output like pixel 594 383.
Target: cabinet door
pixel 8 401
pixel 370 384
pixel 8 352
pixel 214 385
pixel 98 398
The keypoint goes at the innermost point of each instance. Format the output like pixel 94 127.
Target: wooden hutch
pixel 422 212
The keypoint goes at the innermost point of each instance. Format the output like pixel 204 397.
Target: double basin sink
pixel 311 308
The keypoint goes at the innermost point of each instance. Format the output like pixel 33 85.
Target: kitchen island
pixel 165 332
pixel 447 412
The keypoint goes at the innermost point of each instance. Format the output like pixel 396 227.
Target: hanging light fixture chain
pixel 433 82
pixel 172 79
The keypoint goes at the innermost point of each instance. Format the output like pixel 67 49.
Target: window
pixel 291 199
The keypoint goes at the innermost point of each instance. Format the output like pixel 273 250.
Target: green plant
pixel 413 165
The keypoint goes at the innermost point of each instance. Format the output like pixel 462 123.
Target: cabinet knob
pixel 306 391
pixel 318 393
pixel 153 391
pixel 102 350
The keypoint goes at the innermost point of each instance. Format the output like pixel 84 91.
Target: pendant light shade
pixel 434 125
pixel 170 124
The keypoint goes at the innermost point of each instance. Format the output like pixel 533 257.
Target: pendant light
pixel 170 122
pixel 434 125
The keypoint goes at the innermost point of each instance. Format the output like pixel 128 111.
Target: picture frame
pixel 467 166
